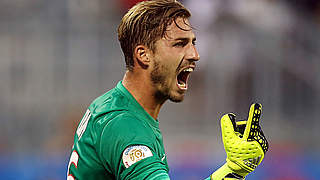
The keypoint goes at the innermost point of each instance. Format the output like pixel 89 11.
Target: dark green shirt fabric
pixel 112 123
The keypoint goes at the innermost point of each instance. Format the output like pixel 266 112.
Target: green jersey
pixel 117 139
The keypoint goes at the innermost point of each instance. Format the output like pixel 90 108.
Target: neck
pixel 141 88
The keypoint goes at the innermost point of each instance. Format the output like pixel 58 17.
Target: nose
pixel 192 54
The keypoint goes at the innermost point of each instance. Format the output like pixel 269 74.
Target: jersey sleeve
pixel 120 137
pixel 150 168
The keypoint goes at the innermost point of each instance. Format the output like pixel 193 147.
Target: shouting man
pixel 119 135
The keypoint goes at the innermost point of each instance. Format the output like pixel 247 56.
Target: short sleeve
pixel 149 169
pixel 120 134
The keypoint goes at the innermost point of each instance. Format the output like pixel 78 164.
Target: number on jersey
pixel 73 160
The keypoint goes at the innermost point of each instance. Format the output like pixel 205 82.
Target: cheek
pixel 167 74
pixel 168 63
pixel 172 61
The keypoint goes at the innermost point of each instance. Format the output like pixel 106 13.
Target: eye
pixel 194 42
pixel 180 44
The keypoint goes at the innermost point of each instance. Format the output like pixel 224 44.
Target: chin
pixel 169 94
pixel 176 99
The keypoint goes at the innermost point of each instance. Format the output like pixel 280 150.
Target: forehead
pixel 180 29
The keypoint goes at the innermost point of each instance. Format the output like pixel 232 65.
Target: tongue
pixel 180 82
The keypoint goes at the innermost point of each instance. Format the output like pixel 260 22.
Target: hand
pixel 244 142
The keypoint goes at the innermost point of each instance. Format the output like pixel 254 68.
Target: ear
pixel 141 54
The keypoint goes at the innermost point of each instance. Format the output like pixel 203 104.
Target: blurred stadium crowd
pixel 57 56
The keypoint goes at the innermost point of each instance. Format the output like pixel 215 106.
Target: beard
pixel 159 76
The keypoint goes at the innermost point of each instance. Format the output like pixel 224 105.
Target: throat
pixel 145 97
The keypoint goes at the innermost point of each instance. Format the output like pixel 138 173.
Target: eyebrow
pixel 185 39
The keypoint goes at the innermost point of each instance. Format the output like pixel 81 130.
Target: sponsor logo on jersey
pixel 133 154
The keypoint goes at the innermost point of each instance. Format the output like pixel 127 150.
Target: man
pixel 119 135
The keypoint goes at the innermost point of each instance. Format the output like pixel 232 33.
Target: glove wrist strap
pixel 224 172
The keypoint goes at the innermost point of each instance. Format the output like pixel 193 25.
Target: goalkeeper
pixel 119 135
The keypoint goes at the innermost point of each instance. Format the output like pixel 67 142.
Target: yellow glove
pixel 244 143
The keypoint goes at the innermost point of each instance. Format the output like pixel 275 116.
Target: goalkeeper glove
pixel 244 143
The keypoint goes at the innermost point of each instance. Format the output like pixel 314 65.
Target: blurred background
pixel 57 56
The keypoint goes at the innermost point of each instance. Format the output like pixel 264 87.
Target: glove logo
pixel 252 162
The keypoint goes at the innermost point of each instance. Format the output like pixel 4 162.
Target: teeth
pixel 188 70
pixel 182 85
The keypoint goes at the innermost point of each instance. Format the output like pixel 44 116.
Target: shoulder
pixel 122 131
pixel 127 124
pixel 112 100
pixel 125 129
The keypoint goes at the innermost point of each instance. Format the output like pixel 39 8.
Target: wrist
pixel 235 168
pixel 226 172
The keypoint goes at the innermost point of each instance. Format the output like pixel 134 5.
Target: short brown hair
pixel 145 23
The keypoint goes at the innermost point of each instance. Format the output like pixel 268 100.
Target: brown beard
pixel 158 79
pixel 156 76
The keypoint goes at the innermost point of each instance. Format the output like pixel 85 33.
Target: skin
pixel 154 76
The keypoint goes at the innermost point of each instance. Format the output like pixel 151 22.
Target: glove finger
pixel 241 126
pixel 252 126
pixel 228 126
pixel 255 131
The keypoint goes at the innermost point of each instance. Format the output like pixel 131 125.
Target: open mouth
pixel 182 78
